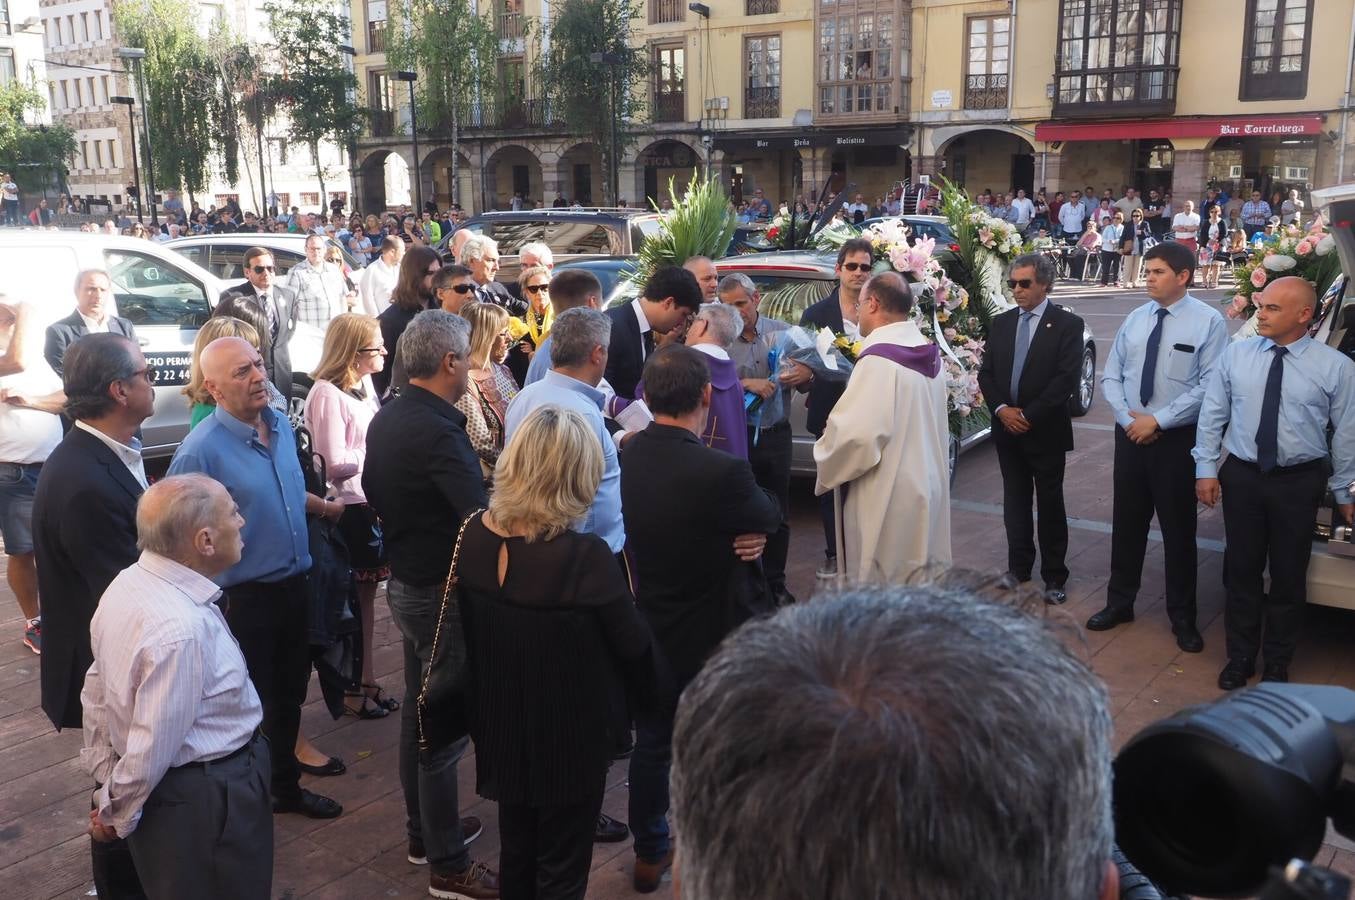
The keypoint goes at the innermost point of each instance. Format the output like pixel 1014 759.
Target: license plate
pixel 168 369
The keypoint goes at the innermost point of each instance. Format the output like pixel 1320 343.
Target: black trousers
pixel 1267 518
pixel 770 459
pixel 546 851
pixel 269 621
pixel 1155 478
pixel 1030 477
pixel 1110 266
pixel 115 875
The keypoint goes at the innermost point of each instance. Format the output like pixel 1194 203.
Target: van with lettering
pixel 166 298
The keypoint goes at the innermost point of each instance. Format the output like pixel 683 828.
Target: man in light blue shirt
pixel 1275 394
pixel 1154 380
pixel 579 354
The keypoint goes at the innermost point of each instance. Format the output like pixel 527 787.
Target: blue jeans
pixel 431 804
pixel 649 765
pixel 18 486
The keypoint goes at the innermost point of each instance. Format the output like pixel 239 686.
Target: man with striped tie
pixel 1275 394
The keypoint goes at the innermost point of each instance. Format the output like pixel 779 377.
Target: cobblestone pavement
pixel 44 794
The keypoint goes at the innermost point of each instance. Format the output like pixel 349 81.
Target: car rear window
pixel 560 237
pixel 228 262
pixel 150 291
pixel 786 295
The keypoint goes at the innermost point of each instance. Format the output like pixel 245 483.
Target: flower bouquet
pixel 828 355
pixel 1310 256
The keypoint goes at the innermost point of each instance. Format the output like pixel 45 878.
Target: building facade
pixel 22 60
pixel 799 96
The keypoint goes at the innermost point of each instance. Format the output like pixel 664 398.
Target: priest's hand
pixel 1143 430
pixel 798 375
pixel 1208 491
pixel 760 386
pixel 1012 420
pixel 748 547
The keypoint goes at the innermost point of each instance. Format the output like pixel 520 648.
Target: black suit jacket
pixel 625 353
pixel 277 359
pixel 1049 377
pixel 823 395
pixel 692 588
pixel 60 335
pixel 84 533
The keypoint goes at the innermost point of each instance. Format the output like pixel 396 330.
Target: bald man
pixel 250 448
pixel 706 276
pixel 1268 404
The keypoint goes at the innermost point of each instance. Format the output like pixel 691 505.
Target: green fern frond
pixel 700 224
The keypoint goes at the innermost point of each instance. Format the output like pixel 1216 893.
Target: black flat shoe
pixel 609 830
pixel 1278 672
pixel 1108 618
pixel 1235 675
pixel 332 766
pixel 310 805
pixel 1188 638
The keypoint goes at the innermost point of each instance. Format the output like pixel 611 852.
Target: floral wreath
pixel 1290 252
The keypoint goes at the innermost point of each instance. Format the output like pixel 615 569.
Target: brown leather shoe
pixel 649 874
pixel 478 882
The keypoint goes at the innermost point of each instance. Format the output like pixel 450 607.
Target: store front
pixel 1270 165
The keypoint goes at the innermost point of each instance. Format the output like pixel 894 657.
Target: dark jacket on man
pixel 683 505
pixel 626 352
pixel 1049 377
pixel 84 533
pixel 277 358
pixel 63 333
pixel 823 393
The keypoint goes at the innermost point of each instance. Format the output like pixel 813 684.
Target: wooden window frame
pixel 973 92
pixel 763 106
pixel 1082 73
pixel 1275 85
pixel 663 111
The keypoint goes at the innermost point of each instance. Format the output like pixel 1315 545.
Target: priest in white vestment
pixel 887 442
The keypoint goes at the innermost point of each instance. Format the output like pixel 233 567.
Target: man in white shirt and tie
pixel 278 303
pixel 171 716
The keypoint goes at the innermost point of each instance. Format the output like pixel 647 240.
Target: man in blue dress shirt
pixel 1275 394
pixel 1154 380
pixel 251 450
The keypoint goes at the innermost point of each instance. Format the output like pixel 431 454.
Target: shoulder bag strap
pixel 447 591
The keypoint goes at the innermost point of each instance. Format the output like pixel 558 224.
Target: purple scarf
pixel 924 360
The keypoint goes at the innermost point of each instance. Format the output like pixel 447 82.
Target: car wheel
pixel 953 456
pixel 296 404
pixel 1081 401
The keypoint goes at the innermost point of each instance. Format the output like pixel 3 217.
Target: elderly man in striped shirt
pixel 171 718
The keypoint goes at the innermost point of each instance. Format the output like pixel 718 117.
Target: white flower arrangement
pixel 1279 262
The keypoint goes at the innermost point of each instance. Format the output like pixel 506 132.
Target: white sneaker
pixel 828 568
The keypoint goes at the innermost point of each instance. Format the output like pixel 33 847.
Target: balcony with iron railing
pixel 762 102
pixel 670 106
pixel 985 91
pixel 1132 91
pixel 510 25
pixel 382 122
pixel 761 7
pixel 489 114
pixel 376 37
pixel 662 12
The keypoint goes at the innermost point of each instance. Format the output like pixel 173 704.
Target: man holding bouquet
pixel 888 435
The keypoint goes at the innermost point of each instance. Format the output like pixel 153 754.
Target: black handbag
pixel 445 677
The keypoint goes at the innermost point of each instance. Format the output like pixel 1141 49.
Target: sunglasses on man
pixel 855 267
pixel 1020 282
pixel 459 288
pixel 259 270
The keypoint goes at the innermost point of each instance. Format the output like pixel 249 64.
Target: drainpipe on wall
pixel 1345 104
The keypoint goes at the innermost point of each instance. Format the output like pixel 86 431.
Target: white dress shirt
pixel 130 456
pixel 94 326
pixel 168 685
pixel 644 324
pixel 376 286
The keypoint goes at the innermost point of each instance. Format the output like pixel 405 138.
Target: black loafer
pixel 1235 675
pixel 1108 618
pixel 1274 671
pixel 1188 638
pixel 311 805
pixel 609 830
pixel 1055 595
pixel 332 766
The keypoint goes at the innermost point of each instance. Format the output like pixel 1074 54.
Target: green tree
pixel 595 97
pixel 454 50
pixel 32 154
pixel 183 90
pixel 313 84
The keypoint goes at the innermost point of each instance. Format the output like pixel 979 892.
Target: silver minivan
pixel 165 296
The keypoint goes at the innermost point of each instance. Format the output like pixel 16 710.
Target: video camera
pixel 1232 798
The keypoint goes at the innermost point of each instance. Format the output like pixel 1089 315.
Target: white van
pixel 166 297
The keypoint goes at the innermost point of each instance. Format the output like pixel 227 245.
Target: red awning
pixel 1210 127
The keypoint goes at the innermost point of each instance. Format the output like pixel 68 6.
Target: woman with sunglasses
pixel 338 410
pixel 531 328
pixel 490 387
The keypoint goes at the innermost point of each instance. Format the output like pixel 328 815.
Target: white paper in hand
pixel 823 343
pixel 635 417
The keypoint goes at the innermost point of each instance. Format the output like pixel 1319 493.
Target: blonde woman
pixel 553 639
pixel 491 386
pixel 225 324
pixel 531 328
pixel 338 410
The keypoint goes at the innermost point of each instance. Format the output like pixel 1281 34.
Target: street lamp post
pixel 136 54
pixel 130 102
pixel 412 77
pixel 613 60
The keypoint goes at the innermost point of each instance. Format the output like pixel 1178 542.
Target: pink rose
pixel 1304 248
pixel 986 236
pixel 1258 277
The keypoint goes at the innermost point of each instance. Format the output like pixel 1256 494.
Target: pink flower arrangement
pixel 986 236
pixel 1238 308
pixel 1258 277
pixel 1304 247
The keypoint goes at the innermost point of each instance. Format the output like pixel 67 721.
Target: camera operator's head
pixel 915 742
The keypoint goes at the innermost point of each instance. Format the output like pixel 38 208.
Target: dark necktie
pixel 1150 359
pixel 648 338
pixel 1022 348
pixel 266 301
pixel 1268 432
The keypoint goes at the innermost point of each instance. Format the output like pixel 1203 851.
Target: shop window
pixel 863 48
pixel 1275 55
pixel 1117 55
pixel 988 48
pixel 762 79
pixel 670 93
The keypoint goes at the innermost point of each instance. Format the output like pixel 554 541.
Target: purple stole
pixel 924 360
pixel 727 426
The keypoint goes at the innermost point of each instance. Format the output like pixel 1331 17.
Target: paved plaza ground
pixel 44 793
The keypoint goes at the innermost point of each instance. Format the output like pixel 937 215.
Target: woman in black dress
pixel 552 633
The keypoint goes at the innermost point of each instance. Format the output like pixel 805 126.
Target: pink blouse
pixel 338 421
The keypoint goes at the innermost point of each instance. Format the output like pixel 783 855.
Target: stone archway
pixel 385 182
pixel 437 174
pixel 581 175
pixel 658 162
pixel 980 159
pixel 511 169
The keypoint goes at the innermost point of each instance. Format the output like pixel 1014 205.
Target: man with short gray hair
pixel 536 253
pixel 909 684
pixel 713 332
pixel 321 293
pixel 423 479
pixel 480 254
pixel 93 314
